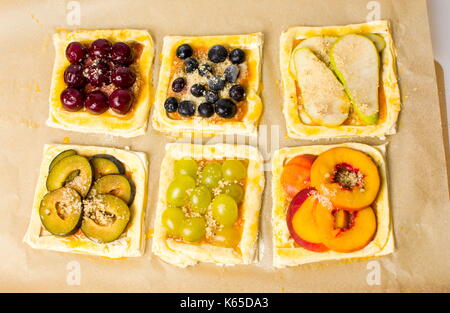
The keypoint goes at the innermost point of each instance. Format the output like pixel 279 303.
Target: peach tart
pixel 330 203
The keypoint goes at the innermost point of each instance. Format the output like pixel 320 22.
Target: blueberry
pixel 216 83
pixel 178 84
pixel 217 53
pixel 237 93
pixel 205 70
pixel 186 108
pixel 171 105
pixel 211 96
pixel 206 109
pixel 184 51
pixel 237 56
pixel 190 65
pixel 225 108
pixel 197 90
pixel 231 73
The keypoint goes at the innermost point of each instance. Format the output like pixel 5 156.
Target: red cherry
pixel 123 77
pixel 96 102
pixel 75 52
pixel 100 48
pixel 72 99
pixel 120 101
pixel 121 53
pixel 73 76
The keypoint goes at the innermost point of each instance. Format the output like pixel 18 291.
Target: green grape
pixel 200 199
pixel 224 210
pixel 212 174
pixel 233 170
pixel 172 219
pixel 193 229
pixel 186 167
pixel 236 191
pixel 227 237
pixel 177 192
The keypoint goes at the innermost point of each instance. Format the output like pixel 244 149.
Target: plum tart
pixel 208 205
pixel 209 85
pixel 330 203
pixel 101 81
pixel 339 81
pixel 89 200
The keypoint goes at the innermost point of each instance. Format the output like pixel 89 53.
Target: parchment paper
pixel 416 159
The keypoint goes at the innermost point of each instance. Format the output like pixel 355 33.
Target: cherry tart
pixel 101 81
pixel 330 203
pixel 209 85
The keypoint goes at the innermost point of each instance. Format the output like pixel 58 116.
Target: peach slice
pixel 345 231
pixel 301 223
pixel 296 174
pixel 348 177
pixel 304 160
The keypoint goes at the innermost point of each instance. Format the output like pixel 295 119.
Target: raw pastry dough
pixel 132 241
pixel 204 126
pixel 130 125
pixel 285 253
pixel 184 254
pixel 295 127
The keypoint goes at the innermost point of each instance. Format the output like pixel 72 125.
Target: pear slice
pixel 320 45
pixel 379 41
pixel 323 96
pixel 356 62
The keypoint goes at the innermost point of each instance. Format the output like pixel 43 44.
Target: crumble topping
pixel 77 183
pixel 96 209
pixel 68 204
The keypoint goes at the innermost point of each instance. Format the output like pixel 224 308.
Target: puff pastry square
pixel 285 253
pixel 247 124
pixel 185 254
pixel 132 241
pixel 389 93
pixel 134 123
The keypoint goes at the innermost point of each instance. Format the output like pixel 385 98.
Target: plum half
pixel 60 211
pixel 105 164
pixel 73 171
pixel 105 218
pixel 115 184
pixel 59 157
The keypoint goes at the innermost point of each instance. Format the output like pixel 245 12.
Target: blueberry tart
pixel 217 81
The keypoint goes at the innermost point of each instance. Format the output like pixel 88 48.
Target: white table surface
pixel 439 16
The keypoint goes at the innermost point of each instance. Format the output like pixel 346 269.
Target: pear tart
pixel 330 203
pixel 339 81
pixel 89 200
pixel 209 85
pixel 101 81
pixel 208 205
